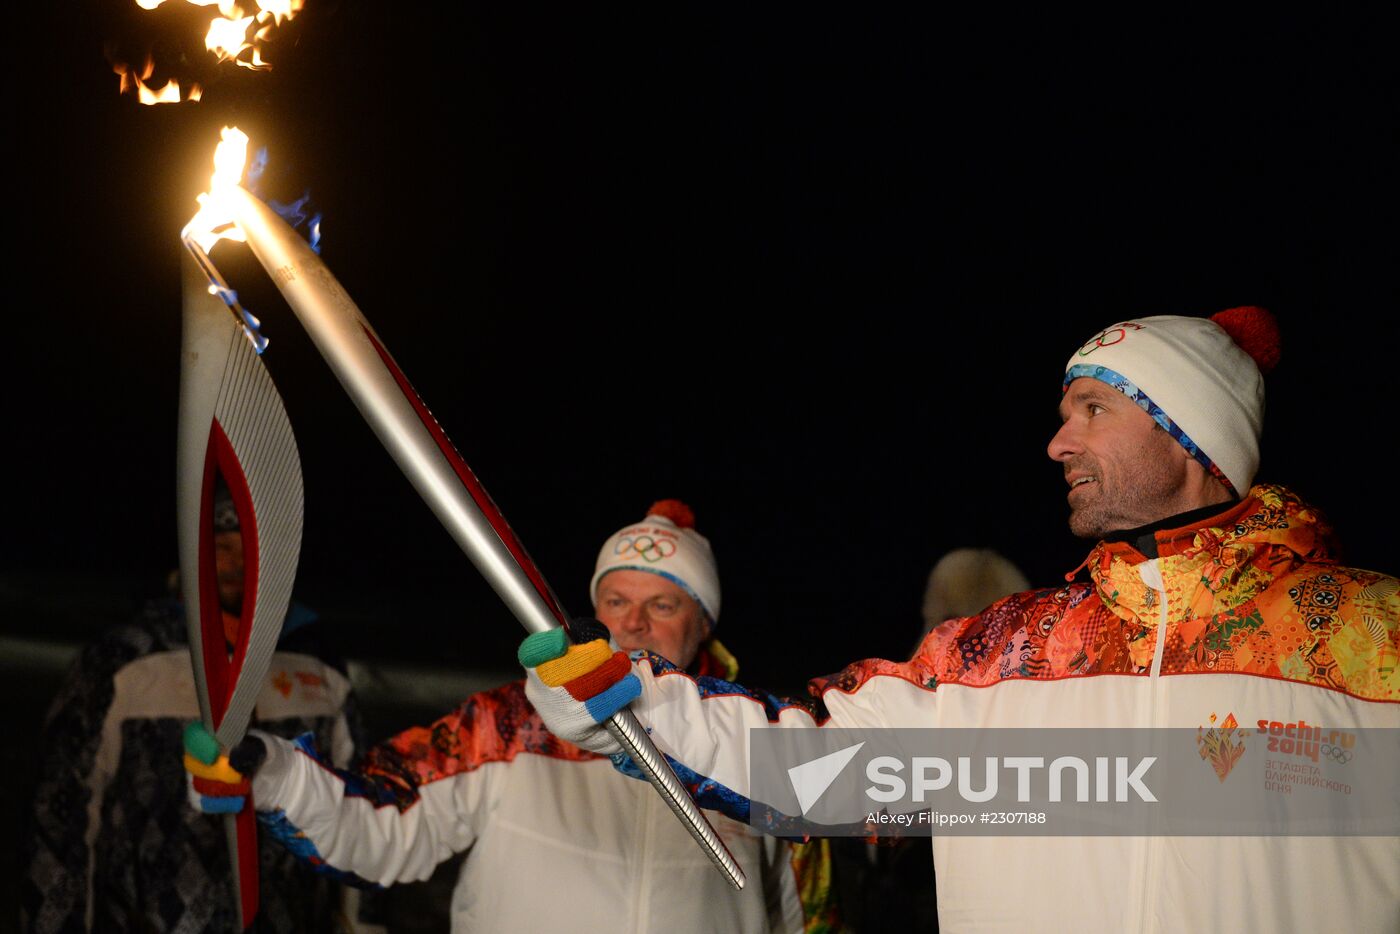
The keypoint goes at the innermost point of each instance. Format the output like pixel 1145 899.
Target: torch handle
pixel 624 727
pixel 422 450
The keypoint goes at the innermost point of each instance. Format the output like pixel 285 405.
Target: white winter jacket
pixel 558 841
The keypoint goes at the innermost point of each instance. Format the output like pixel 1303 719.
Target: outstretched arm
pixel 703 723
pixel 412 801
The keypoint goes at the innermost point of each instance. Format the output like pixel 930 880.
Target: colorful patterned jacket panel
pixel 491 726
pixel 1255 591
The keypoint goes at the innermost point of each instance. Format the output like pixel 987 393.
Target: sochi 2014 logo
pixel 1309 741
pixel 1221 746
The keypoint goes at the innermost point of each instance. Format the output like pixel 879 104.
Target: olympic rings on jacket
pixel 1336 753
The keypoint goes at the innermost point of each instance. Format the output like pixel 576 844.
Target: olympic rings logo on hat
pixel 1108 337
pixel 646 547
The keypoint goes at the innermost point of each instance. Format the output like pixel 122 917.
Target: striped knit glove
pixel 576 688
pixel 218 783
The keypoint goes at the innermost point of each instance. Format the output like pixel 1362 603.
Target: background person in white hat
pixel 656 587
pixel 557 842
pixel 1210 604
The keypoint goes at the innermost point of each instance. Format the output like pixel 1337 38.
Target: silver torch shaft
pixel 423 452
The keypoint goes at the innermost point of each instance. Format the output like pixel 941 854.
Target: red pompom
pixel 1255 331
pixel 675 510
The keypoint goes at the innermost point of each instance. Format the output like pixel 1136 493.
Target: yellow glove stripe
pixel 220 771
pixel 579 660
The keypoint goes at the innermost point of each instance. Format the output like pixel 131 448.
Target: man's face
pixel 647 611
pixel 228 564
pixel 1122 470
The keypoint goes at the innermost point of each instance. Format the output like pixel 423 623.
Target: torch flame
pixel 280 9
pixel 215 219
pixel 169 93
pixel 228 38
pixel 232 36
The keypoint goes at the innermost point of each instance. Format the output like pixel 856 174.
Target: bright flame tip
pixel 214 221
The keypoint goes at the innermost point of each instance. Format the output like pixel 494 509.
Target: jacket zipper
pixel 1151 573
pixel 641 900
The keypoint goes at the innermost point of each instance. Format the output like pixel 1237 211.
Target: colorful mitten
pixel 576 688
pixel 218 785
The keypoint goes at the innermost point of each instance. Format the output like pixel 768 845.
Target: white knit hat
pixel 664 543
pixel 1201 379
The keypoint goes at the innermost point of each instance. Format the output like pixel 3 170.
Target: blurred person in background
pixel 966 581
pixel 112 844
pixel 883 884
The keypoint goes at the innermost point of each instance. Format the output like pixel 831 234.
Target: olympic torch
pixel 411 435
pixel 233 428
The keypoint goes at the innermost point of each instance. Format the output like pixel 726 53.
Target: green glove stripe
pixel 200 743
pixel 541 647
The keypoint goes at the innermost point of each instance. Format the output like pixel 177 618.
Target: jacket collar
pixel 715 661
pixel 1144 538
pixel 1215 563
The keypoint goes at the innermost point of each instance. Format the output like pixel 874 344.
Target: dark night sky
pixel 814 271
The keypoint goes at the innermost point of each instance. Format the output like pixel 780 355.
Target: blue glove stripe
pixel 220 805
pixel 604 705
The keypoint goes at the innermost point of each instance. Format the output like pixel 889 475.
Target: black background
pixel 814 270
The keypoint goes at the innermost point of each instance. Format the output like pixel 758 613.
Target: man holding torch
pixel 557 843
pixel 1206 597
